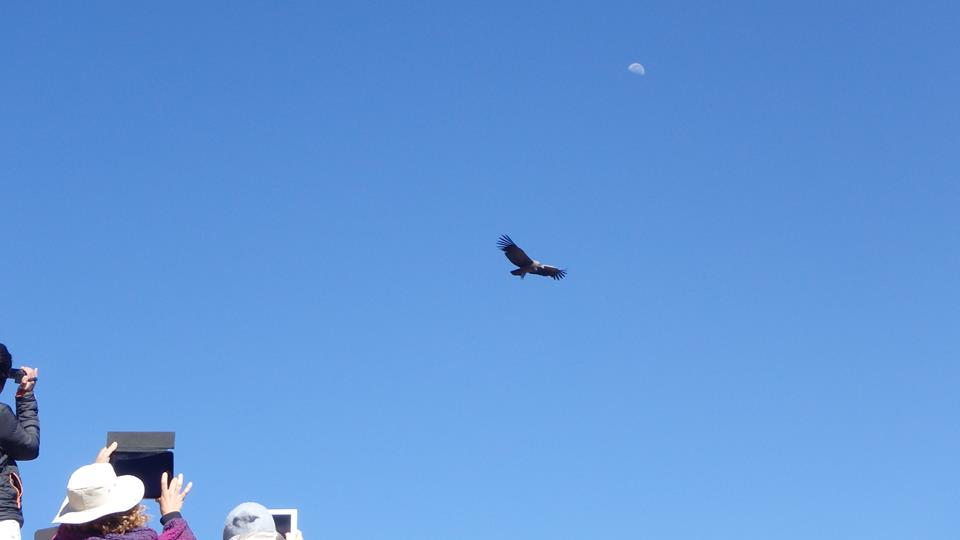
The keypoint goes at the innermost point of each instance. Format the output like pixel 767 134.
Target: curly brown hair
pixel 119 523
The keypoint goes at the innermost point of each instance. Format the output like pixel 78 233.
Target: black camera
pixel 17 374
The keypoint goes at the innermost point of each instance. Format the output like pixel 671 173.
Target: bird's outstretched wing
pixel 549 271
pixel 513 252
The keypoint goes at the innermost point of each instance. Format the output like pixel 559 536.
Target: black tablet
pixel 146 455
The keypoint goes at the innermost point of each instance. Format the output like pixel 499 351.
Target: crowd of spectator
pixel 99 504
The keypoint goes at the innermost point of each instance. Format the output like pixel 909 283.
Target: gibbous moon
pixel 636 68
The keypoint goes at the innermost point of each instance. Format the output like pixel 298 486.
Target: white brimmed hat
pixel 95 491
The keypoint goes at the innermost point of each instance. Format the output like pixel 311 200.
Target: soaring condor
pixel 525 264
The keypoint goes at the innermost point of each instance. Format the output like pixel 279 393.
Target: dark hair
pixel 6 361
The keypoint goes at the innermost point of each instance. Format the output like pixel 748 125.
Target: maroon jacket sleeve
pixel 175 528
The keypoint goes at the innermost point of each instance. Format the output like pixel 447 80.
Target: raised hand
pixel 29 379
pixel 172 494
pixel 104 455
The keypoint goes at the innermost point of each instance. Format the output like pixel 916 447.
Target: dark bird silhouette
pixel 525 264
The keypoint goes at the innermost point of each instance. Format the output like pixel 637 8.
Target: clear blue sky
pixel 271 228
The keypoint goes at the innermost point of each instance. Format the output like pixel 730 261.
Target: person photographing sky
pixel 19 441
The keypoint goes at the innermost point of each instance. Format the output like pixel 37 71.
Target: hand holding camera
pixel 25 376
pixel 28 380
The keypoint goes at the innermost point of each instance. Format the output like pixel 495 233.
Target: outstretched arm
pixel 20 435
pixel 171 501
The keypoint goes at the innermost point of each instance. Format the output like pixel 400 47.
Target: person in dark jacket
pixel 19 440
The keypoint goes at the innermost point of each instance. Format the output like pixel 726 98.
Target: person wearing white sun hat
pixel 101 505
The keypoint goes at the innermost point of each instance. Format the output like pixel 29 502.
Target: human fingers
pixel 104 455
pixel 173 490
pixel 186 490
pixel 28 379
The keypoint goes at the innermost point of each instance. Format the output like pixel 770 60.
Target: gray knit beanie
pixel 248 518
